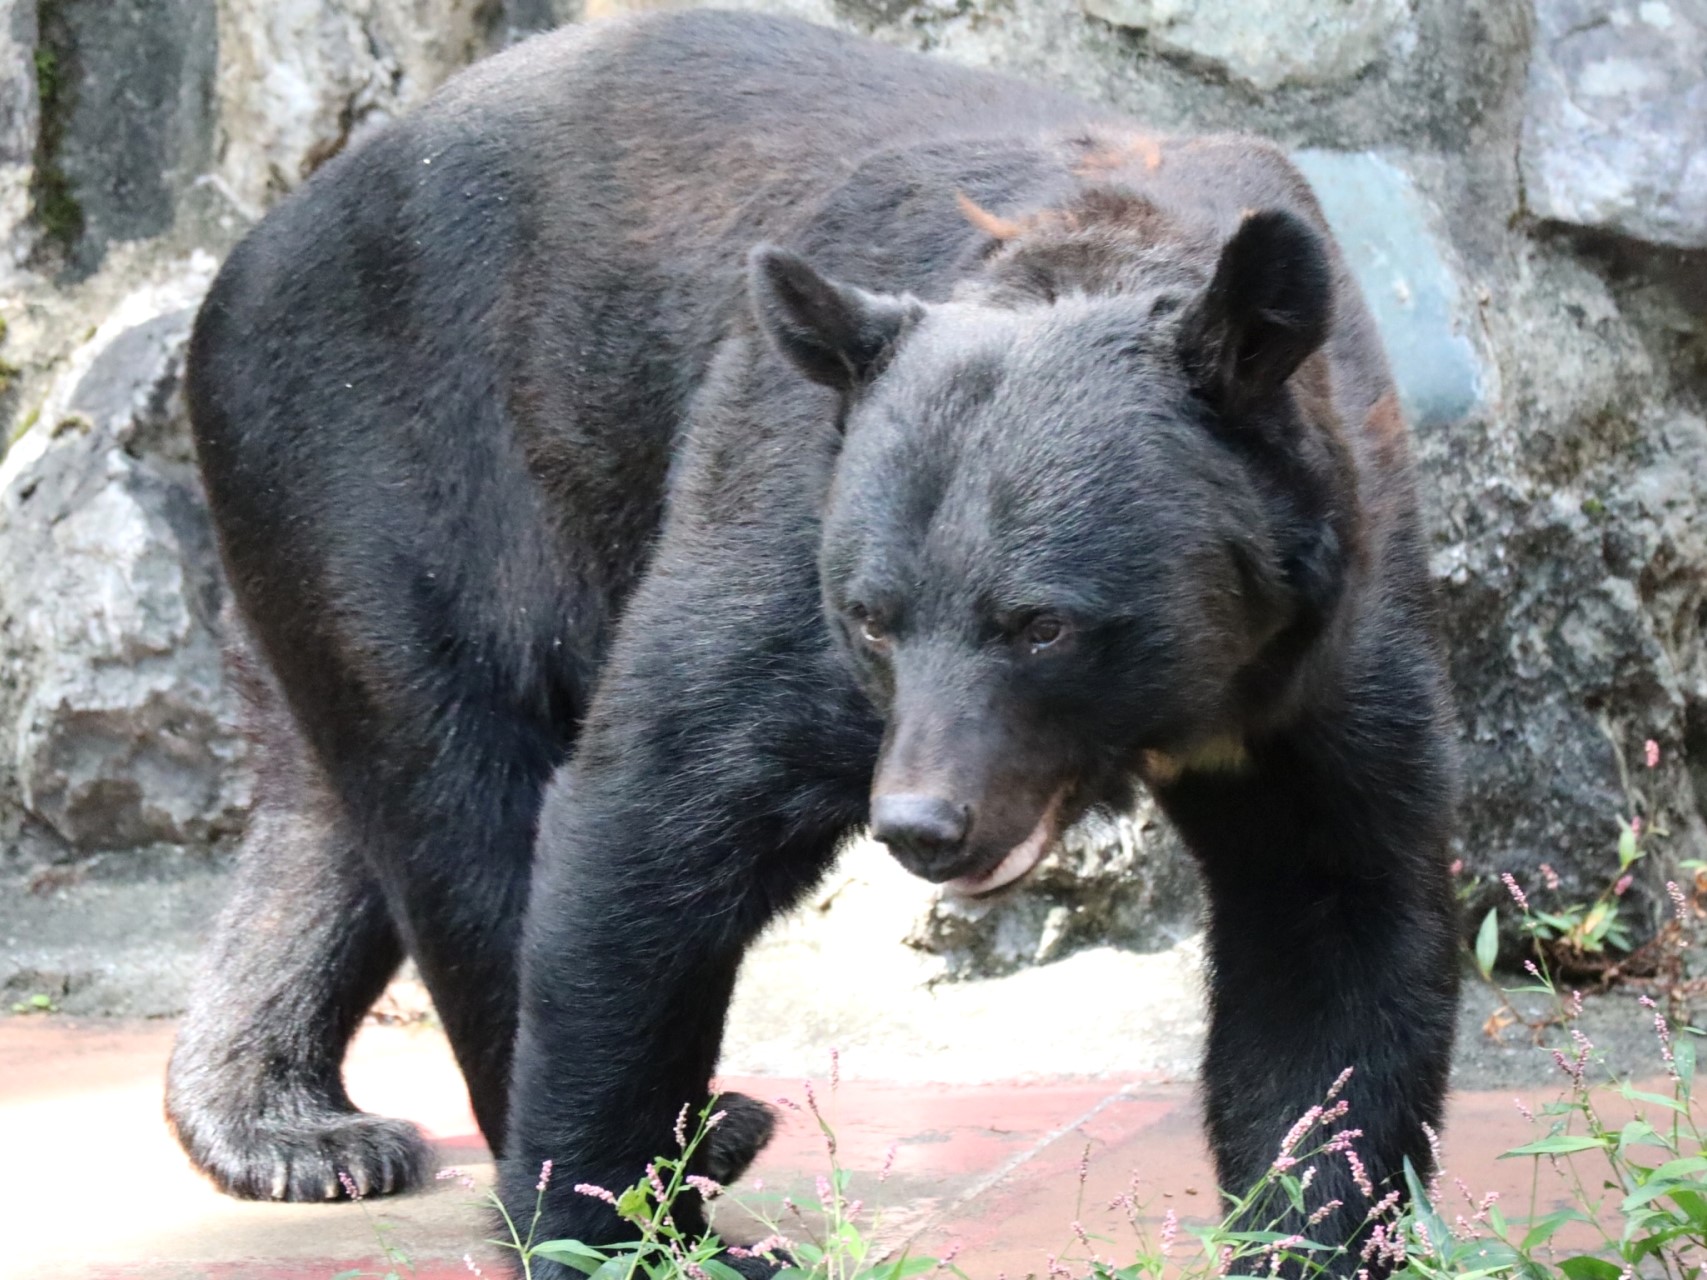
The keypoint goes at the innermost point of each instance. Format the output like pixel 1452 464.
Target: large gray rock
pixel 118 723
pixel 1266 43
pixel 300 79
pixel 20 123
pixel 1570 553
pixel 1615 125
pixel 1115 878
pixel 126 121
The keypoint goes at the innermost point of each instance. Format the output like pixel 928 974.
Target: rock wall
pixel 1521 187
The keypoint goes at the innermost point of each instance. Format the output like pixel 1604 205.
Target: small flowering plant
pixel 661 1250
pixel 835 1239
pixel 1578 938
pixel 835 1248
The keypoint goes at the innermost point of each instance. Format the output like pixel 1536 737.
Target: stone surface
pixel 1115 879
pixel 1384 226
pixel 126 116
pixel 1266 43
pixel 1615 125
pixel 299 79
pixel 119 722
pixel 20 125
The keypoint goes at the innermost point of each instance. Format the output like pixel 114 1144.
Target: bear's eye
pixel 871 630
pixel 1044 631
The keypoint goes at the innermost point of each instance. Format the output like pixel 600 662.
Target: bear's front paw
pixel 737 1139
pixel 301 1158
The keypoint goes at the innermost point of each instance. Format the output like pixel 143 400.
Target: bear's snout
pixel 926 832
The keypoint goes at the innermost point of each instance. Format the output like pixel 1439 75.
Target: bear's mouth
pixel 1018 861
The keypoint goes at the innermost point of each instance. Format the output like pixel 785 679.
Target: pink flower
pixel 1636 826
pixel 350 1188
pixel 1678 902
pixel 705 1186
pixel 1433 1141
pixel 1623 885
pixel 1550 876
pixel 1338 1084
pixel 771 1244
pixel 1306 1122
pixel 598 1193
pixel 1359 1174
pixel 888 1163
pixel 835 1068
pixel 1663 1031
pixel 468 1261
pixel 1315 1218
pixel 1517 894
pixel 1651 752
pixel 1170 1230
pixel 1523 1110
pixel 681 1129
pixel 544 1176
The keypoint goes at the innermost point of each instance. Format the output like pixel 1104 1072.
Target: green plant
pixel 662 1251
pixel 41 1002
pixel 382 1230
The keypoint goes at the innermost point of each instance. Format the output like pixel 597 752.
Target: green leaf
pixel 1628 852
pixel 1673 1169
pixel 1542 1229
pixel 633 1203
pixel 1488 944
pixel 1583 1267
pixel 349 1275
pixel 1438 1232
pixel 1684 1054
pixel 1639 1133
pixel 571 1253
pixel 904 1268
pixel 1654 1099
pixel 717 1269
pixel 1559 1145
pixel 614 1269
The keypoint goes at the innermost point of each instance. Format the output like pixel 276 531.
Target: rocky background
pixel 1521 185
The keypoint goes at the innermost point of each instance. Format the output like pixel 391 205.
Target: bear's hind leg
pixel 304 947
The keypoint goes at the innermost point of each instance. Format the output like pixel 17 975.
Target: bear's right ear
pixel 836 334
pixel 1267 309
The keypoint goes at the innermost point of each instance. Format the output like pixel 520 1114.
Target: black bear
pixel 687 439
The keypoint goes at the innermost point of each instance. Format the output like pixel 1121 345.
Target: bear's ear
pixel 836 334
pixel 1268 307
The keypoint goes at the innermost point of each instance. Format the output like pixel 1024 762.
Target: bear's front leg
pixel 663 850
pixel 1333 946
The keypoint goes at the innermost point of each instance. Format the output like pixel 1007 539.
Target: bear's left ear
pixel 836 334
pixel 1267 309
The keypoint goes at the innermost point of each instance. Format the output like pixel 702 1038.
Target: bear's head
pixel 1070 530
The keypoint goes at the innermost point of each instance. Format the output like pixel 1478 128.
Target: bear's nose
pixel 924 831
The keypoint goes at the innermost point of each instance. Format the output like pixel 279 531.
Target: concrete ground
pixel 989 1090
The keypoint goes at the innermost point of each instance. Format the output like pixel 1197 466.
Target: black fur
pixel 547 513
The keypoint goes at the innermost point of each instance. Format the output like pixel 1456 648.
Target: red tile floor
pixel 92 1186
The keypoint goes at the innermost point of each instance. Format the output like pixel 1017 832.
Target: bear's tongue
pixel 1019 860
